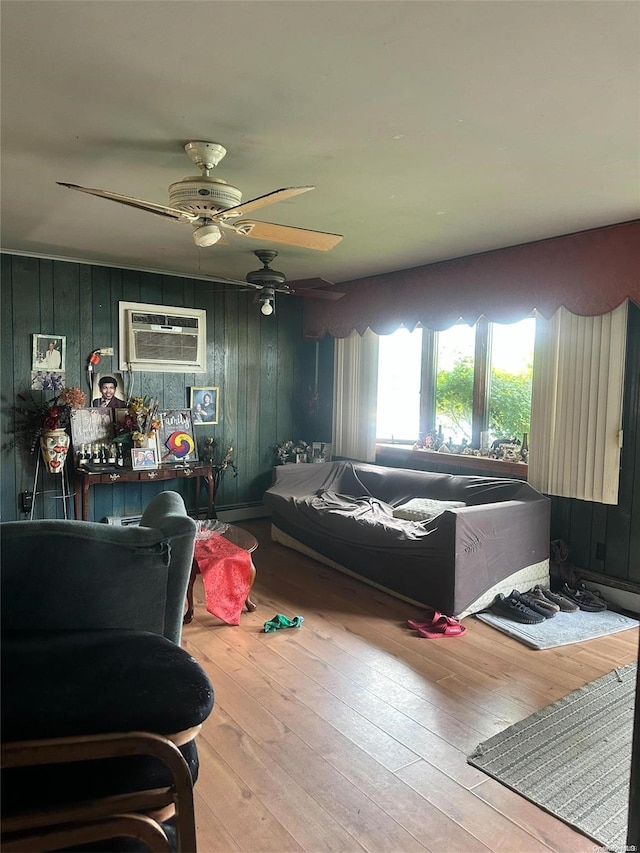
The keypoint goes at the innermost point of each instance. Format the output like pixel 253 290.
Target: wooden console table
pixel 85 479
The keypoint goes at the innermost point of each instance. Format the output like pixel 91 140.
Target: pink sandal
pixel 430 617
pixel 445 626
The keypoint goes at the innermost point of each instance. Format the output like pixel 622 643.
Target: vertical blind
pixel 576 405
pixel 355 396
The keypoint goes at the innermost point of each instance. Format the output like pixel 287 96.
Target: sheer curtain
pixel 576 405
pixel 355 396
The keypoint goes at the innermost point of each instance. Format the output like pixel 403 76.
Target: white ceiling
pixel 431 129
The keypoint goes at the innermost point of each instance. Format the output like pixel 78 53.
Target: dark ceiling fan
pixel 211 206
pixel 267 282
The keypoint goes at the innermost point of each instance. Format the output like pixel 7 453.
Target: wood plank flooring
pixel 351 733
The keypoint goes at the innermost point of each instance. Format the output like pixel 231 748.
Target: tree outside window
pixel 472 379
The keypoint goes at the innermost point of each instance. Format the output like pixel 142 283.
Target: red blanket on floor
pixel 226 575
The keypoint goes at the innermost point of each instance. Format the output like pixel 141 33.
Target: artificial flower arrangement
pixel 140 422
pixel 40 417
pixel 288 451
pixel 212 454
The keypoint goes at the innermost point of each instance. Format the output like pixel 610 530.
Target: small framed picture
pixel 320 452
pixel 204 404
pixel 49 353
pixel 144 458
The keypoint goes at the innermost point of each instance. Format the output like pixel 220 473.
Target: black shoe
pixel 543 608
pixel 555 598
pixel 542 599
pixel 513 609
pixel 584 598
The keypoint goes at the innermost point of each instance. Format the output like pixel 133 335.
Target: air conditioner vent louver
pixel 162 338
pixel 165 346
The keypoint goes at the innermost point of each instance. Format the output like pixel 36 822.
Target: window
pixel 455 349
pixel 457 382
pixel 399 386
pixel 511 376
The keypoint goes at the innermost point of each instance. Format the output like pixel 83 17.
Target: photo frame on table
pixel 91 425
pixel 204 403
pixel 176 438
pixel 320 452
pixel 144 458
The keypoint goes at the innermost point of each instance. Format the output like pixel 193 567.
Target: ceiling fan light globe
pixel 206 235
pixel 266 308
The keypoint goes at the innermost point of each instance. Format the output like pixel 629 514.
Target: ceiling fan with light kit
pixel 267 282
pixel 212 206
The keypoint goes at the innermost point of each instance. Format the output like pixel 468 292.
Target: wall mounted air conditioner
pixel 162 338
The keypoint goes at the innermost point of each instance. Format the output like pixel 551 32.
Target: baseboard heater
pixel 123 520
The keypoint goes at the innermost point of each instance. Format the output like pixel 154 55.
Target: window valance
pixel 589 273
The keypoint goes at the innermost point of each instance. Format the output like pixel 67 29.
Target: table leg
pixel 249 604
pixel 85 499
pixel 188 616
pixel 211 513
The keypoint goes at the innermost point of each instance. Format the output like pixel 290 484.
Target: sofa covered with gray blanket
pixel 439 540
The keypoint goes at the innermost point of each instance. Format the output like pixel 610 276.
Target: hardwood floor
pixel 351 733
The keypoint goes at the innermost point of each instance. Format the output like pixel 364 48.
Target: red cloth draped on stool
pixel 226 575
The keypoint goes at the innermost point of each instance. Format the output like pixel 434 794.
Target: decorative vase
pixel 54 445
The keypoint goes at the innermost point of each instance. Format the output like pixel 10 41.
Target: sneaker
pixel 544 609
pixel 565 604
pixel 584 598
pixel 542 599
pixel 513 609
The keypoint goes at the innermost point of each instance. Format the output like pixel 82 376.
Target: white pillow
pixel 424 509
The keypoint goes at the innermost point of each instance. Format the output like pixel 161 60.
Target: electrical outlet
pixel 106 351
pixel 26 501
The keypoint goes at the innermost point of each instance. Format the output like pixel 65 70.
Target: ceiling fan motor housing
pixel 266 276
pixel 203 196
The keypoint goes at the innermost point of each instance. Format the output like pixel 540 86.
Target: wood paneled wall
pixel 256 362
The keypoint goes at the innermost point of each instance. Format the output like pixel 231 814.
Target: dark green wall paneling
pixel 255 361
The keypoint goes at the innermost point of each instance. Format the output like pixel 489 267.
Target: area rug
pixel 563 628
pixel 573 758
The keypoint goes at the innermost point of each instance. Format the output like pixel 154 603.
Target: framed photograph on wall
pixel 108 391
pixel 49 353
pixel 144 458
pixel 204 403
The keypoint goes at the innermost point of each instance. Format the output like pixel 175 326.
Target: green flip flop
pixel 280 621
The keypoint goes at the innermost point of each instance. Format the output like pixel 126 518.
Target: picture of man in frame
pixel 107 392
pixel 52 359
pixel 48 353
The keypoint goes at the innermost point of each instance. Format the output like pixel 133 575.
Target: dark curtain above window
pixel 590 273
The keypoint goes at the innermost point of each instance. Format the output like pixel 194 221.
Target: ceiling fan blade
pixel 319 294
pixel 149 206
pixel 309 287
pixel 320 240
pixel 262 201
pixel 310 283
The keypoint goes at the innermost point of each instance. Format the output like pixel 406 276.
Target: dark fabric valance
pixel 589 273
